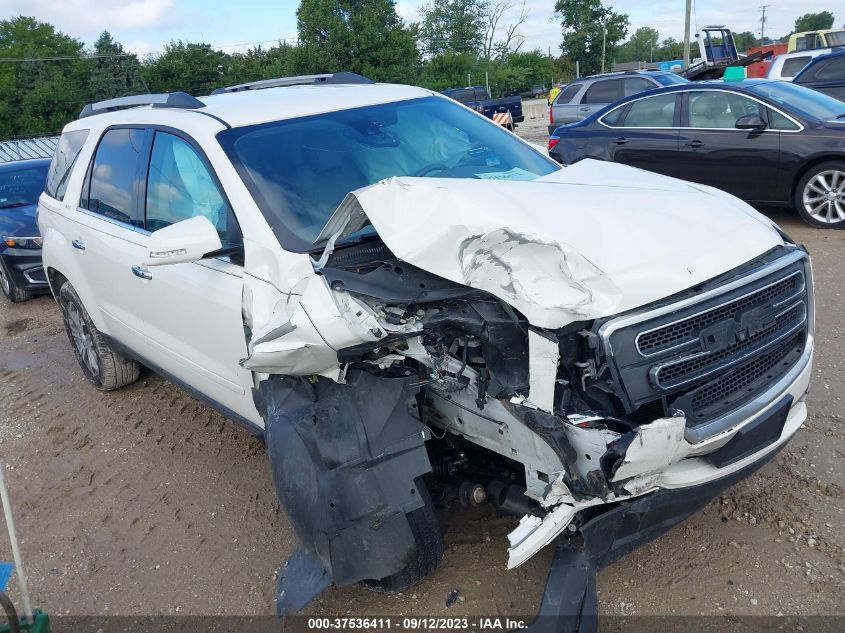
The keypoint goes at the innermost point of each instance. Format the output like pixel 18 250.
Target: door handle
pixel 78 244
pixel 584 109
pixel 621 140
pixel 140 272
pixel 695 144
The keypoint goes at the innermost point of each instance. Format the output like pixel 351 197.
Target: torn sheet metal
pixel 566 246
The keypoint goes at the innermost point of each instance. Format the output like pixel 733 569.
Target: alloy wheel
pixel 824 197
pixel 82 339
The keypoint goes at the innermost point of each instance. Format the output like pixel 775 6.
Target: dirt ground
pixel 144 501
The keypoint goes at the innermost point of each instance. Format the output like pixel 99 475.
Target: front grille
pixel 683 332
pixel 741 383
pixel 678 372
pixel 710 356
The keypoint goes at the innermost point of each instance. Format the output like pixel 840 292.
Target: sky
pixel 145 26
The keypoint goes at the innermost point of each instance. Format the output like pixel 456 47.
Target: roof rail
pixel 162 100
pixel 301 80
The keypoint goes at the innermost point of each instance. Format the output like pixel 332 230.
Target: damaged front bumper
pixel 570 602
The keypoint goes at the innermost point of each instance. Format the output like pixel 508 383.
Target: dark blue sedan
pixel 767 142
pixel 21 272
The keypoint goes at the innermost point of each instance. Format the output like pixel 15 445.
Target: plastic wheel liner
pixel 344 458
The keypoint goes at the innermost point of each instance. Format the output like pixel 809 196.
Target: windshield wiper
pixel 841 116
pixel 12 205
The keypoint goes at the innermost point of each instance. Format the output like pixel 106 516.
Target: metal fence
pixel 24 148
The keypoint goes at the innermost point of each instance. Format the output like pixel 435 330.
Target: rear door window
pixel 657 111
pixel 67 150
pixel 633 85
pixel 115 177
pixel 606 91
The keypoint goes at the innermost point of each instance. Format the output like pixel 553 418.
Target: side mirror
pixel 750 122
pixel 186 241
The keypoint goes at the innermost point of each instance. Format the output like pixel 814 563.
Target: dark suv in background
pixel 588 95
pixel 21 272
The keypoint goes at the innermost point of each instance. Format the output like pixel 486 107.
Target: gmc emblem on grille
pixel 729 332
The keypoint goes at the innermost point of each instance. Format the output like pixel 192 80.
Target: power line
pixel 60 58
pixel 63 58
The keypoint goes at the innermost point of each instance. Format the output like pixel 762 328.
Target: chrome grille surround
pixel 736 339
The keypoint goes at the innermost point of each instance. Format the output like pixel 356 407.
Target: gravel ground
pixel 144 501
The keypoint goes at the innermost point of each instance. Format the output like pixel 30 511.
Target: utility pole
pixel 686 33
pixel 603 44
pixel 763 8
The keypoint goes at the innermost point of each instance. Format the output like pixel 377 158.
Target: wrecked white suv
pixel 385 285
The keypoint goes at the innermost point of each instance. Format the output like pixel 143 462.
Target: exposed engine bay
pixel 477 375
pixel 554 382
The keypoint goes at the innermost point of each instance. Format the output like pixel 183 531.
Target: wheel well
pixel 56 280
pixel 803 171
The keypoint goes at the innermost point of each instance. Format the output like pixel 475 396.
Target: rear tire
pixel 820 196
pixel 102 365
pixel 10 289
pixel 428 552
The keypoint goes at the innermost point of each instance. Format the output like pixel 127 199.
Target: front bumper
pixel 570 603
pixel 26 269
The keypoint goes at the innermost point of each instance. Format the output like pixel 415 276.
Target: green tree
pixel 670 50
pixel 520 71
pixel 641 47
pixel 363 36
pixel 114 72
pixel 745 40
pixel 39 96
pixel 194 68
pixel 456 26
pixel 814 21
pixel 590 29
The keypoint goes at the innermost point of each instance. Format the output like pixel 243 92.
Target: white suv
pixel 384 284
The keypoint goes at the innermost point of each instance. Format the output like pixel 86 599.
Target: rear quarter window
pixel 568 94
pixel 793 66
pixel 833 68
pixel 67 151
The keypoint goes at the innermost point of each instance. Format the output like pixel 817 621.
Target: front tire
pixel 428 553
pixel 102 365
pixel 820 196
pixel 10 289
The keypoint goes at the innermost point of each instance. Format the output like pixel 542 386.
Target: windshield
pixel 299 170
pixel 670 79
pixel 21 187
pixel 800 100
pixel 837 38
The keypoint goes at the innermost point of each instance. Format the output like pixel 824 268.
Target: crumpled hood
pixel 587 241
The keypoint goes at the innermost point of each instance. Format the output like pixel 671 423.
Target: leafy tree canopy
pixel 454 26
pixel 590 30
pixel 364 36
pixel 814 21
